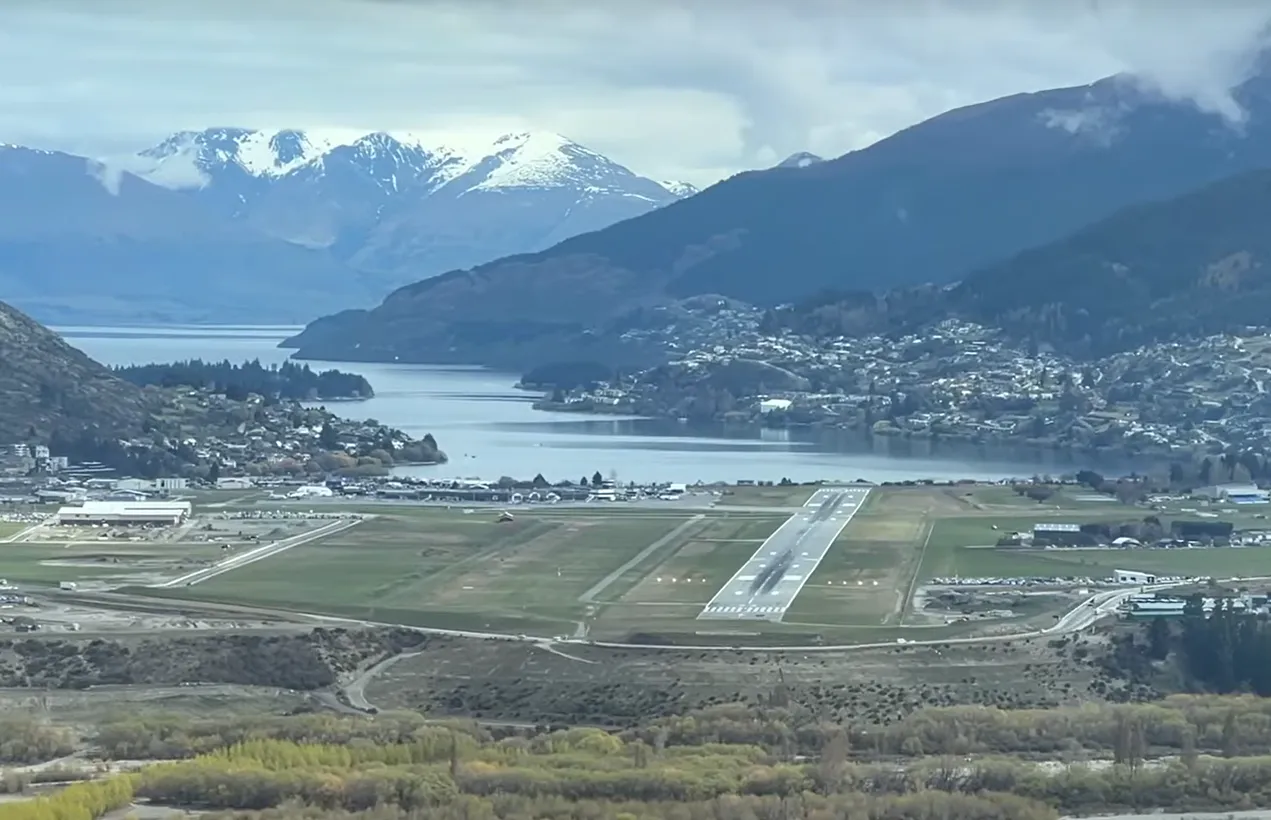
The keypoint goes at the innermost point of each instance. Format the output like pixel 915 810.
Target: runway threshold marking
pixel 849 502
pixel 802 580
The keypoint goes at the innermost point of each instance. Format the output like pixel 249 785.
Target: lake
pixel 489 429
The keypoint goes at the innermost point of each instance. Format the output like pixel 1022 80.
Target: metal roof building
pixel 168 513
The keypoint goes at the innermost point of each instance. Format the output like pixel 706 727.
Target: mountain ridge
pixel 70 249
pixel 242 226
pixel 931 203
pixel 265 154
pixel 396 206
pixel 47 385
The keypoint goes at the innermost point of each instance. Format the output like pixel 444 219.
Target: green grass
pixel 8 528
pixel 447 569
pixel 961 547
pixel 1003 500
pixel 700 563
pixel 28 562
pixel 869 565
pixel 795 495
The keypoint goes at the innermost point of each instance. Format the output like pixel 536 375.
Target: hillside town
pixel 959 381
pixel 204 435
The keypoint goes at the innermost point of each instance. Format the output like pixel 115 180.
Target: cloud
pixel 676 89
pixel 177 171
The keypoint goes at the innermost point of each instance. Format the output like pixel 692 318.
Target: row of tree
pixel 597 770
pixel 24 741
pixel 922 806
pixel 286 382
pixel 1209 724
pixel 80 801
pixel 1224 651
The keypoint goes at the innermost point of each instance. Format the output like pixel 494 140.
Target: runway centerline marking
pixel 772 578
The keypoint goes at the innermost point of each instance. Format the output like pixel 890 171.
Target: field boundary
pixel 604 583
pixel 916 576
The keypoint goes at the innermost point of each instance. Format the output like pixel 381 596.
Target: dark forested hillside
pixel 1191 265
pixel 46 386
pixel 286 382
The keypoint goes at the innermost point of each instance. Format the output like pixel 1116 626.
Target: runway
pixel 769 581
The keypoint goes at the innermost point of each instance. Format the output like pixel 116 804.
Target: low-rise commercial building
pixel 125 513
pixel 1130 576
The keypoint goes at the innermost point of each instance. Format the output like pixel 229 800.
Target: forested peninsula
pixel 286 382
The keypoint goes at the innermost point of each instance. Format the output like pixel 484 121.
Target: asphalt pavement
pixel 767 584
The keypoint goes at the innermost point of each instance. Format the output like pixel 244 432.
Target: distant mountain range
pixel 960 193
pixel 231 224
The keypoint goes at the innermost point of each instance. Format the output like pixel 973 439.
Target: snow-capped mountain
pixel 397 206
pixel 84 243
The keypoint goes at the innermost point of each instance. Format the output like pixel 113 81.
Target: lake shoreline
pixel 490 429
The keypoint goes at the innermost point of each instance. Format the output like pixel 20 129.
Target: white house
pixel 769 405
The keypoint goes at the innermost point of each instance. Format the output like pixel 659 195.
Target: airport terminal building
pixel 126 513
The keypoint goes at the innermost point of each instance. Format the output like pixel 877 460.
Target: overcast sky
pixel 675 89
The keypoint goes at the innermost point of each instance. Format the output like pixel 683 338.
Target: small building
pixel 311 491
pixel 770 405
pixel 126 513
pixel 1163 608
pixel 234 483
pixel 1130 576
pixel 146 485
pixel 1066 535
pixel 1237 493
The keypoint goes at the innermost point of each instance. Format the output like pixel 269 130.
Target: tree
pixel 1158 639
pixel 582 482
pixel 214 472
pixel 597 479
pixel 833 764
pixel 1230 735
pixel 329 437
pixel 1090 478
pixel 1188 753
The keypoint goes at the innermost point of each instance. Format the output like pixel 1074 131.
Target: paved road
pixel 768 583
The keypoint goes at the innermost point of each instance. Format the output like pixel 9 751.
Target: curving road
pixel 1077 619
